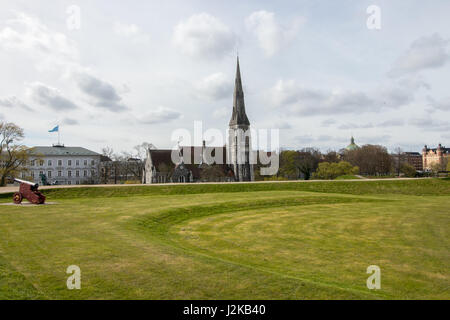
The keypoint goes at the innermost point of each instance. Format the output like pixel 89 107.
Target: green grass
pixel 307 240
pixel 347 177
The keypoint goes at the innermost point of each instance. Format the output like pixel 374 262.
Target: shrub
pixel 408 170
pixel 329 171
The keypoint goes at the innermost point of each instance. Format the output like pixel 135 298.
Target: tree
pixel 294 164
pixel 408 170
pixel 331 156
pixel 398 159
pixel 371 159
pixel 13 156
pixel 308 161
pixel 212 173
pixel 332 170
pixel 288 164
pixel 106 164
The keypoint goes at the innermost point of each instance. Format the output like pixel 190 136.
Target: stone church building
pixel 189 163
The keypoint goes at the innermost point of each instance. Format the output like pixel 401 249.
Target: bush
pixel 408 170
pixel 330 171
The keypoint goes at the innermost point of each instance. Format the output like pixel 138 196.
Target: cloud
pixel 381 139
pixel 14 102
pixel 299 100
pixel 324 138
pixel 327 122
pixel 430 124
pixel 221 113
pixel 203 35
pixel 160 115
pixel 103 94
pixel 391 123
pixel 355 126
pixel 427 52
pixel 29 36
pixel 50 97
pixel 70 121
pixel 271 35
pixel 130 31
pixel 441 104
pixel 216 86
pixel 306 101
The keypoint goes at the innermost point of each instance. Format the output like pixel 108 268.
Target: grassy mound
pixel 412 187
pixel 307 240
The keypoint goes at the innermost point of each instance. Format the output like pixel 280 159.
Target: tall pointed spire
pixel 239 116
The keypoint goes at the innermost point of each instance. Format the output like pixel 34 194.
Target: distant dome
pixel 352 146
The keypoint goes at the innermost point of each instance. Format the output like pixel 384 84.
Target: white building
pixel 64 165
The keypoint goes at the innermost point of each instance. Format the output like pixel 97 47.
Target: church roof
pixel 352 146
pixel 239 117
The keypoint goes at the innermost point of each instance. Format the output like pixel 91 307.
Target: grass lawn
pixel 305 240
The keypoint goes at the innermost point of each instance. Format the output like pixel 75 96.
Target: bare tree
pixel 399 160
pixel 371 159
pixel 13 156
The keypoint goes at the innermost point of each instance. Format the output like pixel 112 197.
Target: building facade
pixel 63 165
pixel 189 165
pixel 414 159
pixel 439 155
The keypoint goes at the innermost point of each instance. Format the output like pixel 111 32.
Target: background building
pixel 414 159
pixel 63 165
pixel 438 156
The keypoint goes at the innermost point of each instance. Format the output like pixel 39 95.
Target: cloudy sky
pixel 125 72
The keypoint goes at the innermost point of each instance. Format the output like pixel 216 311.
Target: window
pixel 85 173
pixel 41 162
pixel 32 174
pixel 69 182
pixel 59 163
pixel 33 162
pixel 69 162
pixel 41 172
pixel 78 182
pixel 49 174
pixel 85 162
pixel 59 174
pixel 49 163
pixel 92 173
pixel 77 162
pixel 92 162
pixel 77 173
pixel 69 173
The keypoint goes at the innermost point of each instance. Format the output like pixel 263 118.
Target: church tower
pixel 239 139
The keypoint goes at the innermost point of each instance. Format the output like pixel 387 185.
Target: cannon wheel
pixel 17 197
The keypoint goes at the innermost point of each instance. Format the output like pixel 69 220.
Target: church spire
pixel 238 117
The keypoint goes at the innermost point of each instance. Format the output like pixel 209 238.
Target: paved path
pixel 11 189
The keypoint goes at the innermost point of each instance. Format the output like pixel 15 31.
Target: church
pixel 192 166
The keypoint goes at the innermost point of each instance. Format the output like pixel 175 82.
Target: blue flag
pixel 55 129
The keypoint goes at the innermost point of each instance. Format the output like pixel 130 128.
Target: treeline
pixel 122 167
pixel 310 163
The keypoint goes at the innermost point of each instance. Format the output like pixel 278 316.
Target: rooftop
pixel 63 151
pixel 352 146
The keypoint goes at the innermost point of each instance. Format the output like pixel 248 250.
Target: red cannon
pixel 29 191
